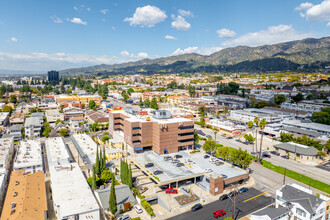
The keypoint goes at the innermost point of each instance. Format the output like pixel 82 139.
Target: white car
pixel 208 170
pixel 138 209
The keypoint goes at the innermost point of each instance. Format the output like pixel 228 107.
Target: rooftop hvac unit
pixel 13 205
pixel 12 211
pixel 15 194
pixel 16 182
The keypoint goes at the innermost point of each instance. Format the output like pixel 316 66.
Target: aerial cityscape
pixel 177 110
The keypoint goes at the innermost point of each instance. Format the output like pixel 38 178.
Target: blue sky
pixel 38 35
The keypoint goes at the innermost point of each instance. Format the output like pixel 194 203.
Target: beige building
pixel 79 99
pixel 156 131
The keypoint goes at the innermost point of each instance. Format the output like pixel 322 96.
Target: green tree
pixel 196 138
pixel 7 109
pixel 46 129
pixel 262 126
pixel 97 162
pixel 256 121
pixel 209 145
pixel 92 104
pixel 64 132
pixel 279 99
pixel 130 91
pixel 140 102
pixel 94 179
pixel 261 104
pixel 153 104
pixel 250 124
pixel 124 95
pixel 59 121
pixel 299 97
pixel 146 103
pixel 13 99
pixel 105 138
pixel 310 97
pixel 112 197
pixel 104 164
pixel 129 179
pixel 322 117
pixel 249 137
pixel 106 175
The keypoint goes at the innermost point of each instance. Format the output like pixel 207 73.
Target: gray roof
pixel 298 148
pixel 123 194
pixel 306 200
pixel 272 213
pixel 303 132
pixel 15 127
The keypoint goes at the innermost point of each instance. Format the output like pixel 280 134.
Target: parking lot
pixel 198 166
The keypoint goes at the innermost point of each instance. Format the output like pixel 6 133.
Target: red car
pixel 219 213
pixel 171 191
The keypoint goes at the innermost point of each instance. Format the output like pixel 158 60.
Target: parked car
pixel 167 158
pixel 125 217
pixel 275 153
pixel 238 140
pixel 219 213
pixel 266 155
pixel 232 193
pixel 180 164
pixel 164 187
pixel 138 209
pixel 206 156
pixel 196 207
pixel 157 172
pixel 171 191
pixel 208 136
pixel 177 156
pixel 133 179
pixel 149 165
pixel 212 160
pixel 223 197
pixel 218 163
pixel 175 161
pixel 242 190
pixel 286 157
pixel 208 170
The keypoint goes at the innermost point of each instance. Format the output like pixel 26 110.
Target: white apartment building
pixel 54 115
pixel 269 115
pixel 86 147
pixel 33 126
pixel 316 127
pixel 57 151
pixel 73 198
pixel 28 156
pixel 301 202
pixel 307 107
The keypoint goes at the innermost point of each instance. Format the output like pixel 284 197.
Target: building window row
pixel 186 134
pixel 118 118
pixel 119 124
pixel 135 135
pixel 186 140
pixel 136 142
pixel 186 127
pixel 136 128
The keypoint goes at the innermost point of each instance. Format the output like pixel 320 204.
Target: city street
pixel 308 170
pixel 245 204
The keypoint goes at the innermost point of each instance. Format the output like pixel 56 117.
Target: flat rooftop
pixel 71 192
pixel 170 171
pixel 56 150
pixel 85 146
pixel 28 154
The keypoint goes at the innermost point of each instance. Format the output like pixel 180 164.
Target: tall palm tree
pixel 250 125
pixel 262 126
pixel 256 122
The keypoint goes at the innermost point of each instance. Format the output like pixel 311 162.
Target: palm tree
pixel 262 126
pixel 250 125
pixel 256 122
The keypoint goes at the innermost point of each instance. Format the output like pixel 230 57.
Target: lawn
pixel 185 200
pixel 299 177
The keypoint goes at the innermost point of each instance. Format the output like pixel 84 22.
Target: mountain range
pixel 302 55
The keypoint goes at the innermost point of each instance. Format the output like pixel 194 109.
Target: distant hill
pixel 306 55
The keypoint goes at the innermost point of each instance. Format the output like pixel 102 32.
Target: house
pixel 26 196
pixel 271 214
pixel 4 119
pixel 113 154
pixel 123 195
pixel 73 114
pixel 17 118
pixel 297 151
pixel 16 131
pixel 33 125
pixel 301 202
pixel 54 115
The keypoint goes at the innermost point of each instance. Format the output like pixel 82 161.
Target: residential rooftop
pixel 85 145
pixel 57 150
pixel 28 154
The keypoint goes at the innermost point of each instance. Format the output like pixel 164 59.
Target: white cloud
pixel 226 33
pixel 147 16
pixel 273 35
pixel 13 39
pixel 75 8
pixel 203 51
pixel 78 21
pixel 180 23
pixel 169 37
pixel 328 25
pixel 104 11
pixel 320 12
pixel 56 19
pixel 44 61
pixel 88 9
pixel 140 55
pixel 304 6
pixel 185 13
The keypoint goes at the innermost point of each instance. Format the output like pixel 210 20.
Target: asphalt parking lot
pixel 245 204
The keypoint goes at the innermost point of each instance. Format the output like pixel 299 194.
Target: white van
pixel 138 209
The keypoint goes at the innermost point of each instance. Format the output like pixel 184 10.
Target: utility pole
pixel 284 176
pixel 233 212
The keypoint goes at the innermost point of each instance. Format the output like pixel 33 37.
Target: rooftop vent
pixel 12 211
pixel 16 182
pixel 15 194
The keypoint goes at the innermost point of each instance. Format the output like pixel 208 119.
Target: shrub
pixel 140 196
pixel 195 151
pixel 209 126
pixel 147 207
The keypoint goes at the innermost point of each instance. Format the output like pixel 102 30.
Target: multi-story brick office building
pixel 155 130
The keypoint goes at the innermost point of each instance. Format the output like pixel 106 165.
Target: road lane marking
pixel 256 196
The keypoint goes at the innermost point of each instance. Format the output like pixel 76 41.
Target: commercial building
pixel 310 126
pixel 77 99
pixel 297 151
pixel 28 156
pixel 53 75
pixel 95 116
pixel 72 196
pixel 232 101
pixel 26 197
pixel 54 115
pixel 85 146
pixel 304 106
pixel 57 151
pixel 302 203
pixel 157 131
pixel 6 160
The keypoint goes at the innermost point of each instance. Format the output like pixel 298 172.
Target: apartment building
pixel 85 146
pixel 26 196
pixel 28 156
pixel 271 116
pixel 156 131
pixel 54 115
pixel 306 106
pixel 73 114
pixel 17 118
pixel 33 125
pixel 57 151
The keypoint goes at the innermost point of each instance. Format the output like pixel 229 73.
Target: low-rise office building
pixel 85 146
pixel 77 99
pixel 157 131
pixel 310 126
pixel 73 114
pixel 28 156
pixel 297 151
pixel 26 197
pixel 304 106
pixel 271 116
pixel 72 196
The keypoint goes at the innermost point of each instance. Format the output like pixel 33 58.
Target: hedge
pixel 147 207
